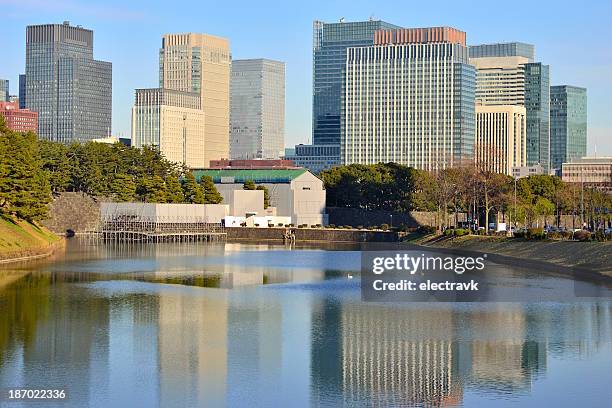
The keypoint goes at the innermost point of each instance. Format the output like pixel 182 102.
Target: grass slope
pixel 21 238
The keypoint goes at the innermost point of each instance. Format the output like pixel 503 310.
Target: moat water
pixel 230 324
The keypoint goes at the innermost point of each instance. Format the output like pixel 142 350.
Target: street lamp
pixel 391 215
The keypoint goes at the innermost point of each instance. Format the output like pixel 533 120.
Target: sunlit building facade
pixel 409 99
pixel 172 121
pixel 200 63
pixel 500 138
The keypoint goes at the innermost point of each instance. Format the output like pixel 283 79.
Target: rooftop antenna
pixel 372 17
pixel 342 19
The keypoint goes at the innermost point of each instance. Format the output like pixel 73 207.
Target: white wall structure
pixel 243 202
pixel 295 193
pixel 164 213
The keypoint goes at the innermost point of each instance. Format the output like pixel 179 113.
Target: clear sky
pixel 573 37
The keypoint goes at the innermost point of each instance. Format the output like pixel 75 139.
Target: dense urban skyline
pixel 138 29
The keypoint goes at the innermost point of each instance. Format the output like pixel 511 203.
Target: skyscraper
pixel 500 137
pixel 257 109
pixel 330 42
pixel 409 99
pixel 71 91
pixel 173 121
pixel 507 75
pixel 568 124
pixel 22 91
pixel 4 90
pixel 200 63
pixel 537 104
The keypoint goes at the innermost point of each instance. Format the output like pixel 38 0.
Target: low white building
pixel 294 192
pixel 164 213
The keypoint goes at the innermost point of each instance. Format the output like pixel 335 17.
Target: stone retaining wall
pixel 308 234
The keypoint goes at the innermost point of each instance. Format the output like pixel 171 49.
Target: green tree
pixel 123 188
pixel 266 195
pixel 544 208
pixel 249 185
pixel 153 190
pixel 174 189
pixel 192 191
pixel 211 194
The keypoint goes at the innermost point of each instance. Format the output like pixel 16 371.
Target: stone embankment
pixel 311 235
pixel 584 256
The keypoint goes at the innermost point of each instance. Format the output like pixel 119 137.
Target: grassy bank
pixel 20 239
pixel 593 256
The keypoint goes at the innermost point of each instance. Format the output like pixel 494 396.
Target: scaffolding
pixel 142 226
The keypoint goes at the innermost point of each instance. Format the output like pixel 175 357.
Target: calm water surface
pixel 259 325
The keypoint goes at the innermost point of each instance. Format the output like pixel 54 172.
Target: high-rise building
pixel 507 75
pixel 22 91
pixel 329 50
pixel 4 90
pixel 568 124
pixel 20 120
pixel 257 109
pixel 330 42
pixel 174 122
pixel 409 99
pixel 200 63
pixel 70 90
pixel 513 49
pixel 537 104
pixel 500 137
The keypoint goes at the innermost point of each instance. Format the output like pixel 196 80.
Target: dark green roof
pixel 257 175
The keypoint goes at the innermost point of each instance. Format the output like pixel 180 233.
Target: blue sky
pixel 573 37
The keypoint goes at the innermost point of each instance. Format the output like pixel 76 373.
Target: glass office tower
pixel 537 104
pixel 330 42
pixel 4 90
pixel 568 124
pixel 22 91
pixel 71 91
pixel 512 49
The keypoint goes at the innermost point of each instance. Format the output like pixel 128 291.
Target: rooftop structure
pixel 420 36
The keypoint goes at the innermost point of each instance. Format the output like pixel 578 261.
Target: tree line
pixel 536 200
pixel 32 170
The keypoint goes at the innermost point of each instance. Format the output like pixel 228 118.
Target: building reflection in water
pixel 190 346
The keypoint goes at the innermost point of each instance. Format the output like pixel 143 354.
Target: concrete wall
pixel 307 234
pixel 165 213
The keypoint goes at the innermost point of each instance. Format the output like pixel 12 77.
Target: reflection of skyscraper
pixel 502 359
pixel 399 357
pixel 373 355
pixel 192 343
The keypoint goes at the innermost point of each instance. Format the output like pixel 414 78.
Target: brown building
pixel 420 35
pixel 589 171
pixel 20 120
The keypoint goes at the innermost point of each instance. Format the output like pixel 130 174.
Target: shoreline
pixel 32 253
pixel 582 259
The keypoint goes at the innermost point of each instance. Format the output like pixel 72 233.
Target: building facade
pixel 294 193
pixel 589 171
pixel 500 138
pixel 315 158
pixel 537 103
pixel 257 109
pixel 200 63
pixel 4 90
pixel 409 99
pixel 174 122
pixel 70 90
pixel 512 49
pixel 22 91
pixel 568 124
pixel 20 120
pixel 508 75
pixel 330 42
